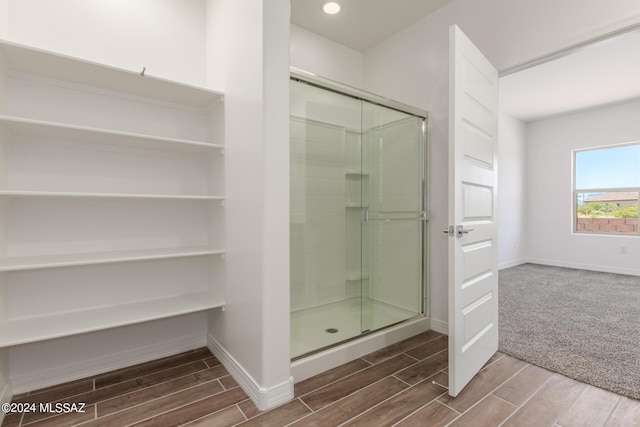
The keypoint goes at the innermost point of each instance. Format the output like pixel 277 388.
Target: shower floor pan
pixel 309 328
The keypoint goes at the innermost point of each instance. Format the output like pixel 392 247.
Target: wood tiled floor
pixel 401 385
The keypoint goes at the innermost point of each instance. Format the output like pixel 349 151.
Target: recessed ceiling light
pixel 331 7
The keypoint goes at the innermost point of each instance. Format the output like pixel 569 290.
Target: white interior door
pixel 473 262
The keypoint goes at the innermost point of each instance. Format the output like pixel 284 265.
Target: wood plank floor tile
pixel 430 348
pixel 592 408
pixel 51 394
pixel 225 418
pixel 67 420
pixel 228 382
pixel 548 404
pixel 484 383
pixel 322 397
pixel 154 392
pixel 212 361
pixel 490 411
pixel 280 416
pixel 164 404
pixel 321 380
pixel 389 388
pixel 152 367
pixel 354 404
pixel 124 387
pixel 435 414
pixel 249 409
pixel 496 356
pixel 625 414
pixel 524 385
pixel 60 387
pixel 401 347
pixel 196 410
pixel 11 420
pixel 424 369
pixel 401 405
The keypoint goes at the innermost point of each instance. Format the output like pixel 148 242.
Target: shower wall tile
pixel 317 214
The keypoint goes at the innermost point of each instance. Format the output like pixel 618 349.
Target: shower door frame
pixel 342 89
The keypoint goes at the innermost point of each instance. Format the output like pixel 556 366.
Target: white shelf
pixel 356 173
pixel 354 205
pixel 72 260
pixel 71 133
pixel 352 277
pixel 119 167
pixel 29 330
pixel 61 194
pixel 25 59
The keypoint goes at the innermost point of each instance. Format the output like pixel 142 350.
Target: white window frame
pixel 574 209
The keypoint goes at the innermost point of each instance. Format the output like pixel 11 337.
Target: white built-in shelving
pixel 70 260
pixel 23 331
pixel 111 196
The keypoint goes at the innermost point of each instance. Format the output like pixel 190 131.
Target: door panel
pixel 473 279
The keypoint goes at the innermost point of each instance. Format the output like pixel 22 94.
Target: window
pixel 606 187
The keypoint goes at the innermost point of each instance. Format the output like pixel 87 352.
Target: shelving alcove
pixel 111 196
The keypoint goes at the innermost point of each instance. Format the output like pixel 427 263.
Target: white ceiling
pixel 362 24
pixel 604 73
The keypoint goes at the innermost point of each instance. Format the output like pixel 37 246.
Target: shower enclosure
pixel 358 211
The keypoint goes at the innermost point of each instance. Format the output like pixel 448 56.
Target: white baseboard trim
pixel 320 362
pixel 98 365
pixel 582 266
pixel 512 263
pixel 440 326
pixel 264 398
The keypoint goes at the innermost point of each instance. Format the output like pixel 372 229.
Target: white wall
pixel 4 19
pixel 512 212
pixel 248 56
pixel 165 36
pixel 326 58
pixel 549 189
pixel 412 67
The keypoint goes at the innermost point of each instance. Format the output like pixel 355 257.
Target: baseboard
pixel 264 398
pixel 320 362
pixel 511 263
pixel 440 326
pixel 98 365
pixel 582 266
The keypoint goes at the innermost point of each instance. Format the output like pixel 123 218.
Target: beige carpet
pixel 583 324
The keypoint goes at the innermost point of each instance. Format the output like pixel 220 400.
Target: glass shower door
pixel 325 217
pixel 393 161
pixel 355 233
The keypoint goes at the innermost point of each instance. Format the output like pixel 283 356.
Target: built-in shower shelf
pixel 356 172
pixel 353 277
pixel 355 205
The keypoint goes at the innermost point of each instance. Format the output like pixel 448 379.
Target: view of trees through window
pixel 606 187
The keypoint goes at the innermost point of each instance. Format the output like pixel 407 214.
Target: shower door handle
pixel 395 216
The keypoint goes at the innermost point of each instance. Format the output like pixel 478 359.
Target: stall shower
pixel 358 214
